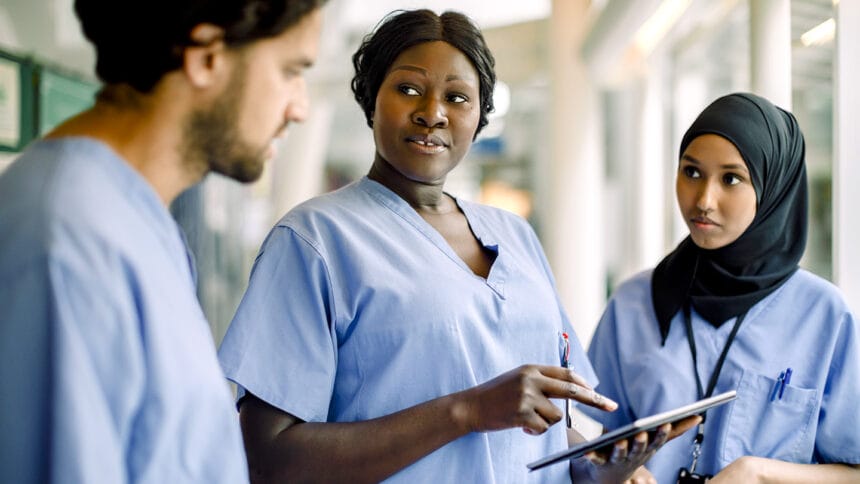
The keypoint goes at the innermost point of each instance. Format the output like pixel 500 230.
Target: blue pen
pixel 785 381
pixel 777 389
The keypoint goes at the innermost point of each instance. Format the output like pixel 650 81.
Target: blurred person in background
pixel 107 361
pixel 730 308
pixel 393 331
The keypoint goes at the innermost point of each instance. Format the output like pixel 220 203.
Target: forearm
pixel 367 451
pixel 766 471
pixel 281 447
pixel 776 471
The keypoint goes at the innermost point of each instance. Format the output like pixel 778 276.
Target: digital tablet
pixel 640 425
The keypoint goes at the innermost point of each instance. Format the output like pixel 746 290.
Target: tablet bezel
pixel 640 425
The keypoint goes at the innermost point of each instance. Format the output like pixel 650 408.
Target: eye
pixel 291 70
pixel 457 98
pixel 408 90
pixel 691 172
pixel 731 179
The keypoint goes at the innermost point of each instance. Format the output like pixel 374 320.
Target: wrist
pixel 756 469
pixel 460 413
pixel 583 471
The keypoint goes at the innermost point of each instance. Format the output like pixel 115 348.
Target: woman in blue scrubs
pixel 729 308
pixel 393 331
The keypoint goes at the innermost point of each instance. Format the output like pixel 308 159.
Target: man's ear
pixel 203 61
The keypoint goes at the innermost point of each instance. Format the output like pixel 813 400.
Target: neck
pixel 428 198
pixel 144 132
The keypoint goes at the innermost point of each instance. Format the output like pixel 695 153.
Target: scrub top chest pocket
pixel 762 423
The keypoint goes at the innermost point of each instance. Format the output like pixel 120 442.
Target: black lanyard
pixel 712 383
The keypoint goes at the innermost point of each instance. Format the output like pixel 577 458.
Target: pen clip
pixel 565 359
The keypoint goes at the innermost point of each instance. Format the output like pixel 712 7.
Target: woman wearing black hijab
pixel 729 309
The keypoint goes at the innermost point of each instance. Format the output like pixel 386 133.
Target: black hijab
pixel 724 283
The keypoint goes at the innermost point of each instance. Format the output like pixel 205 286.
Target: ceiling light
pixel 820 34
pixel 653 30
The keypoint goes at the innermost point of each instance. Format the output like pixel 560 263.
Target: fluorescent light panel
pixel 820 34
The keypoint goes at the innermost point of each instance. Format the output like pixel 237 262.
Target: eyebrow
pixel 420 70
pixel 727 166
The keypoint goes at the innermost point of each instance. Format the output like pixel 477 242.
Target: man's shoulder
pixel 59 197
pixel 60 178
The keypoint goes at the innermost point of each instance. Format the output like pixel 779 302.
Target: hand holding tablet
pixel 646 424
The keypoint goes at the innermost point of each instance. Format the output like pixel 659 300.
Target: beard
pixel 212 142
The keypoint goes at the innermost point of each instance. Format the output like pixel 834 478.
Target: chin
pixel 708 244
pixel 427 178
pixel 244 171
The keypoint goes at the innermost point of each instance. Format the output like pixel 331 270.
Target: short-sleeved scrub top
pixel 357 308
pixel 108 367
pixel 804 325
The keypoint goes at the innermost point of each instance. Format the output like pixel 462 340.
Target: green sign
pixel 16 102
pixel 61 97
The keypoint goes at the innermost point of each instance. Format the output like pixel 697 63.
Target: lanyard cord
pixel 712 383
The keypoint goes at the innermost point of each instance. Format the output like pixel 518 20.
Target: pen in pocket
pixel 782 380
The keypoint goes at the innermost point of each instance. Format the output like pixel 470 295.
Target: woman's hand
pixel 521 398
pixel 622 465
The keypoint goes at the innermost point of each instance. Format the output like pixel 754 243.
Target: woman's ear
pixel 203 61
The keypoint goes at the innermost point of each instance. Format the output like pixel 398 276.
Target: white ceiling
pixel 366 13
pixel 48 29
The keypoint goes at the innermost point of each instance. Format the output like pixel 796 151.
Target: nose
pixel 431 114
pixel 706 197
pixel 299 106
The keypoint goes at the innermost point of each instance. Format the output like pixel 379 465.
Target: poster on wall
pixel 61 96
pixel 10 104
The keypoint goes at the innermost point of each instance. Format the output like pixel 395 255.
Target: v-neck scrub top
pixel 107 362
pixel 358 308
pixel 804 325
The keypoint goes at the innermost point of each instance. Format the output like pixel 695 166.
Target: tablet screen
pixel 640 425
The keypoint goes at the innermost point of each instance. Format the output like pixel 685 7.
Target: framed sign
pixel 16 102
pixel 61 96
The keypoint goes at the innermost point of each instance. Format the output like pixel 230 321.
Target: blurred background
pixel 593 98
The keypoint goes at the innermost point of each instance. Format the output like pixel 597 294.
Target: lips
pixel 429 141
pixel 703 221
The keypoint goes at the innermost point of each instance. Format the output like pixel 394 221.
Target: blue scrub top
pixel 804 325
pixel 357 308
pixel 107 363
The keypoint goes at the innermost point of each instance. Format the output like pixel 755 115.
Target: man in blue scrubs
pixel 107 363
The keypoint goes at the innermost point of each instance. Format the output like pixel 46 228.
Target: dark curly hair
pixel 138 42
pixel 403 29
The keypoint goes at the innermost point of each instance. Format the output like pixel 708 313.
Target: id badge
pixel 687 477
